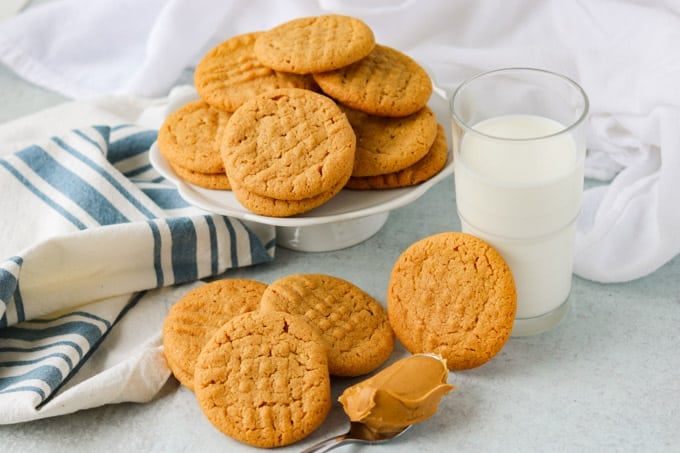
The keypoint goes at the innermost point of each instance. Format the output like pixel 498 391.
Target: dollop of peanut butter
pixel 406 392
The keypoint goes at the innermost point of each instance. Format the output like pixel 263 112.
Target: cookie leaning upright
pixel 352 323
pixel 288 144
pixel 315 44
pixel 386 82
pixel 454 295
pixel 263 379
pixel 198 314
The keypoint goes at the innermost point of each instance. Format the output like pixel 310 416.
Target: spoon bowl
pixel 358 433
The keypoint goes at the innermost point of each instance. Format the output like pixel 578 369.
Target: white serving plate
pixel 347 219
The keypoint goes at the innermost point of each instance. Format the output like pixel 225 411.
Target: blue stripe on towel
pixel 89 139
pixel 71 344
pixel 214 246
pixel 104 131
pixel 183 234
pixel 232 241
pixel 59 355
pixel 107 176
pixel 166 197
pixel 84 314
pixel 89 332
pixel 9 282
pixel 258 251
pixel 19 305
pixel 49 374
pixel 121 126
pixel 157 264
pixel 73 186
pixel 131 145
pixel 138 171
pixel 40 194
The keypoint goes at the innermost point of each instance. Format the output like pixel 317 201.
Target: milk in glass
pixel 519 180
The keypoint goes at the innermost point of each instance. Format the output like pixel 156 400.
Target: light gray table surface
pixel 606 379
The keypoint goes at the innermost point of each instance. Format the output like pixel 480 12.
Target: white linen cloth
pixel 622 52
pixel 96 246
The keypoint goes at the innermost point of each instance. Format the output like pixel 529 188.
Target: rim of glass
pixel 569 81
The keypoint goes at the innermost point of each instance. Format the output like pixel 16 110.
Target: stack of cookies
pixel 301 111
pixel 260 357
pixel 384 96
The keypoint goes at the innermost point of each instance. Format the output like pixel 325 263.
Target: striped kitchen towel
pixel 90 231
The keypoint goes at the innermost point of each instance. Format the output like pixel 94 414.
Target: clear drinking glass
pixel 519 148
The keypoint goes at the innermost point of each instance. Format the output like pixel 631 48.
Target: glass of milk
pixel 519 147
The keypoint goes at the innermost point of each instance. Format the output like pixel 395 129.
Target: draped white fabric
pixel 621 52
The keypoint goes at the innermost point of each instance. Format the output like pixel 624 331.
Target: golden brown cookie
pixel 386 145
pixel 198 314
pixel 187 137
pixel 385 83
pixel 421 171
pixel 263 380
pixel 230 74
pixel 288 144
pixel 315 44
pixel 454 295
pixel 352 323
pixel 271 207
pixel 217 181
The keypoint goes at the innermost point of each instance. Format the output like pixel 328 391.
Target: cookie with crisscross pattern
pixel 193 319
pixel 288 144
pixel 230 74
pixel 452 294
pixel 352 323
pixel 263 379
pixel 315 44
pixel 387 82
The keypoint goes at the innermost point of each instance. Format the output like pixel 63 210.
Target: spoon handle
pixel 328 444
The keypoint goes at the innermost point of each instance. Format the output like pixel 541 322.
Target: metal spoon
pixel 358 433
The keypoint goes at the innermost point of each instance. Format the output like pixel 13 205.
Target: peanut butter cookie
pixel 385 83
pixel 288 144
pixel 386 145
pixel 452 294
pixel 195 317
pixel 188 137
pixel 271 207
pixel 315 44
pixel 230 74
pixel 352 323
pixel 217 181
pixel 421 171
pixel 263 379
